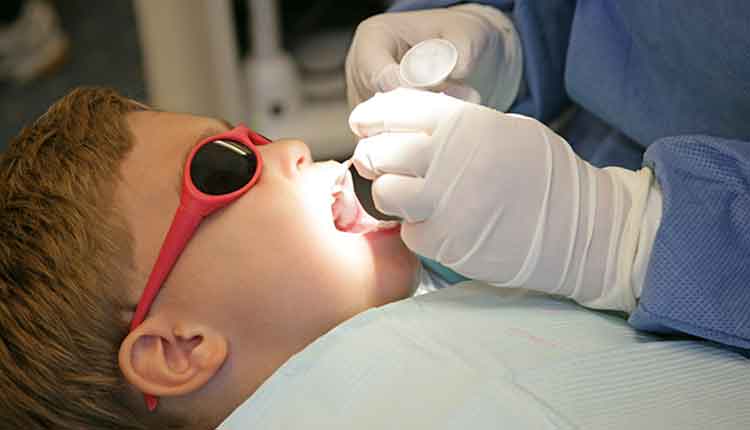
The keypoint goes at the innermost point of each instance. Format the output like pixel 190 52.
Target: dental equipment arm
pixel 475 30
pixel 503 199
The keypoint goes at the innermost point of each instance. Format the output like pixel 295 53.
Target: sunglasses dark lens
pixel 222 166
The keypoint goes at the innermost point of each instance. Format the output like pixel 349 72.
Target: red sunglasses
pixel 218 171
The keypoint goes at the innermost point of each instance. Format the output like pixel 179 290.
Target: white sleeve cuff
pixel 637 237
pixel 649 226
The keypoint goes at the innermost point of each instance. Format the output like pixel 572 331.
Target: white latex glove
pixel 381 41
pixel 503 199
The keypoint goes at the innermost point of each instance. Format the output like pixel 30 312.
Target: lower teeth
pixel 382 225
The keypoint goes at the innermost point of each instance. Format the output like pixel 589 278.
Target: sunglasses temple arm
pixel 183 225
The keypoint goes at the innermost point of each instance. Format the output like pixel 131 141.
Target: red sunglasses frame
pixel 194 207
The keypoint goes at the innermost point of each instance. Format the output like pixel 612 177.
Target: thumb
pixel 422 239
pixel 401 196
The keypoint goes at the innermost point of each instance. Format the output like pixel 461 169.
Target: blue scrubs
pixel 671 77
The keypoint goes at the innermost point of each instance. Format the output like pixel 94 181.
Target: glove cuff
pixel 628 249
pixel 593 241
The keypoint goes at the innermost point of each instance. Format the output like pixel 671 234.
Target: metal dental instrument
pixel 345 166
pixel 342 177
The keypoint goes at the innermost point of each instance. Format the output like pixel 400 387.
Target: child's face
pixel 270 271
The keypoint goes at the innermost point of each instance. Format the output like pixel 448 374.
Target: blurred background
pixel 276 64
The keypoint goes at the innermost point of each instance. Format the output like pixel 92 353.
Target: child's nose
pixel 290 155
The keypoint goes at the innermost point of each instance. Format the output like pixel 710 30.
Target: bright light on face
pixel 345 210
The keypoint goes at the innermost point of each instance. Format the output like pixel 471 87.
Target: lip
pixel 386 232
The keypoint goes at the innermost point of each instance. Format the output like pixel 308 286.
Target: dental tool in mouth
pixel 348 214
pixel 345 166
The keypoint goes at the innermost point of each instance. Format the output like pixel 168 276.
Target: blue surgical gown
pixel 671 78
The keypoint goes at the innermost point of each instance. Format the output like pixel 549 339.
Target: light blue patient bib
pixel 478 357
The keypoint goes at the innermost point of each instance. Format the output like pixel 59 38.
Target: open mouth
pixel 348 214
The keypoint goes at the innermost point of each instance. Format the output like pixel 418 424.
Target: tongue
pixel 349 215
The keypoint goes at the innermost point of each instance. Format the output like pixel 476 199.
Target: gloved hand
pixel 381 41
pixel 503 199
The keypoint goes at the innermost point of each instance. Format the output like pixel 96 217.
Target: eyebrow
pixel 205 134
pixel 210 131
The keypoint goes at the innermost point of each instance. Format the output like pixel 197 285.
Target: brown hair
pixel 64 260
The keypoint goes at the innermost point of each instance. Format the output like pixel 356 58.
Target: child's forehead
pixel 158 137
pixel 170 134
pixel 155 123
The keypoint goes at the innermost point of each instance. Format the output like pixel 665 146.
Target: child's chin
pixel 395 266
pixel 387 243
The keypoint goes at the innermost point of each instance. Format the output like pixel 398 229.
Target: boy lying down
pixel 181 259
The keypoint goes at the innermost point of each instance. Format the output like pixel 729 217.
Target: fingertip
pixel 364 120
pixel 398 195
pixel 381 190
pixel 363 163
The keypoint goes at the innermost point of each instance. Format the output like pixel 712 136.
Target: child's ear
pixel 162 358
